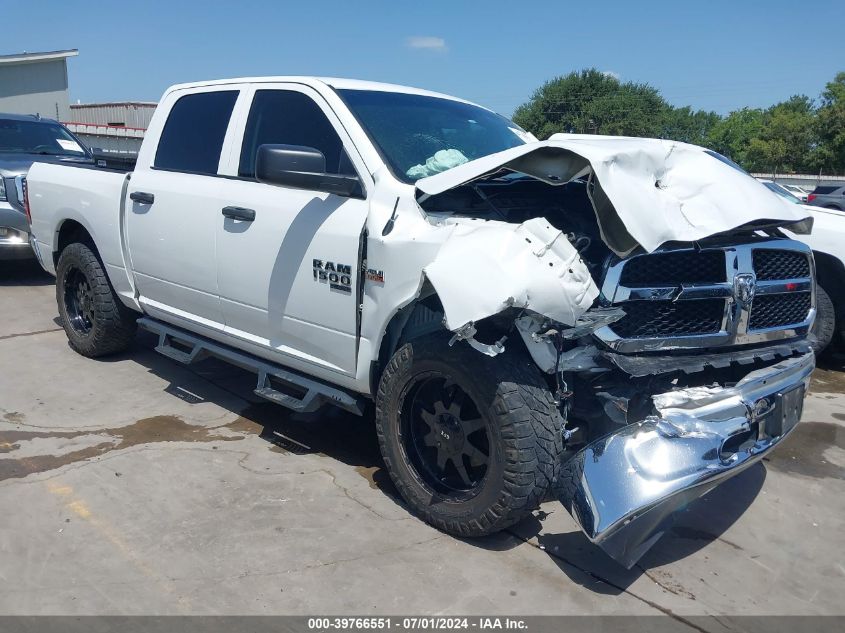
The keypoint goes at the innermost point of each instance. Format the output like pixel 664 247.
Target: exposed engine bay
pixel 651 284
pixel 665 321
pixel 517 198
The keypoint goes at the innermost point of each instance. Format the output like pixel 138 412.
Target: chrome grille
pixel 779 310
pixel 731 295
pixel 666 318
pixel 775 264
pixel 681 267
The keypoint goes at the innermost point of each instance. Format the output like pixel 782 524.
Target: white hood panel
pixel 648 191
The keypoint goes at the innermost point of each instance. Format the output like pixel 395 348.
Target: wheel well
pixel 420 317
pixel 70 232
pixel 424 316
pixel 830 273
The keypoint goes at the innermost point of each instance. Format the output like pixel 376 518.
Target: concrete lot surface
pixel 135 485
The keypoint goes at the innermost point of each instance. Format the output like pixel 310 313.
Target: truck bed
pixel 61 195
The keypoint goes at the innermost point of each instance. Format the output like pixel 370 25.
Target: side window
pixel 290 118
pixel 193 134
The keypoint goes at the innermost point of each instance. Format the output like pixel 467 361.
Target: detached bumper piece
pixel 625 488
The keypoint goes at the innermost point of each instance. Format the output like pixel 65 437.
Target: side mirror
pixel 302 168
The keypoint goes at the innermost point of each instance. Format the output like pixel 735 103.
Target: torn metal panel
pixel 624 488
pixel 652 365
pixel 542 349
pixel 485 267
pixel 468 332
pixel 645 192
pixel 615 406
pixel 539 339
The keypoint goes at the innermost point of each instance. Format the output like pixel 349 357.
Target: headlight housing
pixel 2 188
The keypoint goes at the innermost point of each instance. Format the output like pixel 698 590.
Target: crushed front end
pixel 705 373
pixel 624 487
pixel 652 284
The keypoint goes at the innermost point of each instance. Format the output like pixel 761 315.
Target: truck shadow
pixel 27 272
pixel 352 440
pixel 831 361
pixel 700 524
pixel 330 432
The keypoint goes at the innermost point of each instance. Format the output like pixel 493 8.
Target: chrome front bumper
pixel 624 488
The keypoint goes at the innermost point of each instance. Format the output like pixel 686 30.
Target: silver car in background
pixel 26 139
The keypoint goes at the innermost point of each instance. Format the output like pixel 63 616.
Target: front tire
pixel 93 317
pixel 472 443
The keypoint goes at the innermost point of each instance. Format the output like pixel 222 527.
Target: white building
pixel 35 83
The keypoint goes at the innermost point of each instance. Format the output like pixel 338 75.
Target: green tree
pixel 829 155
pixel 733 134
pixel 688 125
pixel 787 138
pixel 591 101
pixel 791 136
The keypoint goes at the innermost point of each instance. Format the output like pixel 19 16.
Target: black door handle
pixel 239 213
pixel 142 197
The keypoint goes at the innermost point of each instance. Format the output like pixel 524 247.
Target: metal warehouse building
pixel 111 126
pixel 35 83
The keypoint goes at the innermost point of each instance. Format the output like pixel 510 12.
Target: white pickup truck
pixel 828 247
pixel 619 322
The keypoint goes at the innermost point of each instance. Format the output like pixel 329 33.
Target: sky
pixel 712 55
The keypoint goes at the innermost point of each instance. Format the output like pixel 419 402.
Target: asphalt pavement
pixel 135 485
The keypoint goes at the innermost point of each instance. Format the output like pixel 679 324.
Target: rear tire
pixel 824 327
pixel 95 320
pixel 472 443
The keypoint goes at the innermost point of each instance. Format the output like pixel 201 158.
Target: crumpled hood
pixel 645 192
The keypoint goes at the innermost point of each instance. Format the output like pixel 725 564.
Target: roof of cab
pixel 333 82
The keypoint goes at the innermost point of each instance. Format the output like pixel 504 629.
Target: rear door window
pixel 288 117
pixel 193 134
pixel 823 191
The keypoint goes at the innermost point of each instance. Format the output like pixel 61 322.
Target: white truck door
pixel 289 278
pixel 174 210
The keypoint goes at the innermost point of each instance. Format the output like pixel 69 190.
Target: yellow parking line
pixel 81 510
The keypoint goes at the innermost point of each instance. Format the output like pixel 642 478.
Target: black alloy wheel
pixel 95 320
pixel 444 436
pixel 472 443
pixel 79 301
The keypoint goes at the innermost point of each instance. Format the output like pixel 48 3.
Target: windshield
pixel 783 193
pixel 727 161
pixel 38 137
pixel 773 186
pixel 420 136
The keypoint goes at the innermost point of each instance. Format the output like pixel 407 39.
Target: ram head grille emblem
pixel 745 287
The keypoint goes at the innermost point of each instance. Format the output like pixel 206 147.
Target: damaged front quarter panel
pixel 484 268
